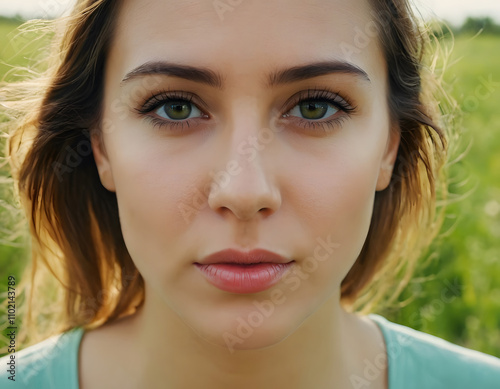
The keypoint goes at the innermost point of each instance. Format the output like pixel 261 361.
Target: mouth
pixel 232 256
pixel 237 272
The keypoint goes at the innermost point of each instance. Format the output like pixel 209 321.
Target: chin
pixel 250 331
pixel 244 339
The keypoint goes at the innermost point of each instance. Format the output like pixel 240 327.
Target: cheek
pixel 151 188
pixel 340 206
pixel 340 191
pixel 335 199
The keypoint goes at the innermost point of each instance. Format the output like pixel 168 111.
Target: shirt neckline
pixel 381 323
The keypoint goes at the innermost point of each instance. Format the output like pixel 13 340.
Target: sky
pixel 453 11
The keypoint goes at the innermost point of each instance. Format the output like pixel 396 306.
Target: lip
pixel 243 272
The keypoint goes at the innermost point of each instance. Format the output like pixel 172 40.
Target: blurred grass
pixel 13 248
pixel 460 301
pixel 12 253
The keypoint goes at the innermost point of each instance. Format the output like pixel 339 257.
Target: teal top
pixel 50 364
pixel 416 360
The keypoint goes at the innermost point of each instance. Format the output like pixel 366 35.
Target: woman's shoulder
pixel 420 360
pixel 52 363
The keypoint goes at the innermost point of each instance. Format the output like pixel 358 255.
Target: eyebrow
pixel 277 77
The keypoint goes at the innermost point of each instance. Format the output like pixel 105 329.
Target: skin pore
pixel 301 184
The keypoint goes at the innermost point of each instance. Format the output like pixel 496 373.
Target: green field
pixel 460 301
pixel 13 52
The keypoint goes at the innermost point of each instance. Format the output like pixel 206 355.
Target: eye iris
pixel 178 110
pixel 313 109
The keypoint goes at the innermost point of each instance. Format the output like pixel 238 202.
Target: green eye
pixel 313 109
pixel 177 110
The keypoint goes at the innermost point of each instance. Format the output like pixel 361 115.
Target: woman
pixel 216 183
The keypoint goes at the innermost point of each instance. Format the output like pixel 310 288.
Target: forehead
pixel 241 37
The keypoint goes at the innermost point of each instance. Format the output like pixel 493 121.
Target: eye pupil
pixel 313 109
pixel 178 110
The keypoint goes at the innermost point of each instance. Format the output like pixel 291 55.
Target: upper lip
pixel 235 256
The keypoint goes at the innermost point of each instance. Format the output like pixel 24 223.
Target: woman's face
pixel 256 149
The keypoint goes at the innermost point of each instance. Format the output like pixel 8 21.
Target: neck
pixel 318 353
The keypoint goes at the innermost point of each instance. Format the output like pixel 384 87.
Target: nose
pixel 247 186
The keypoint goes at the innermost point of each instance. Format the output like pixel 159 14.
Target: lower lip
pixel 236 278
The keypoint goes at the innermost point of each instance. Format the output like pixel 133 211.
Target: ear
pixel 388 159
pixel 102 162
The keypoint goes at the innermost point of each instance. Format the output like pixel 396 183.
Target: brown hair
pixel 74 220
pixel 404 219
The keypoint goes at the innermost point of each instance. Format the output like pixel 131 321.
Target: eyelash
pixel 312 95
pixel 322 95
